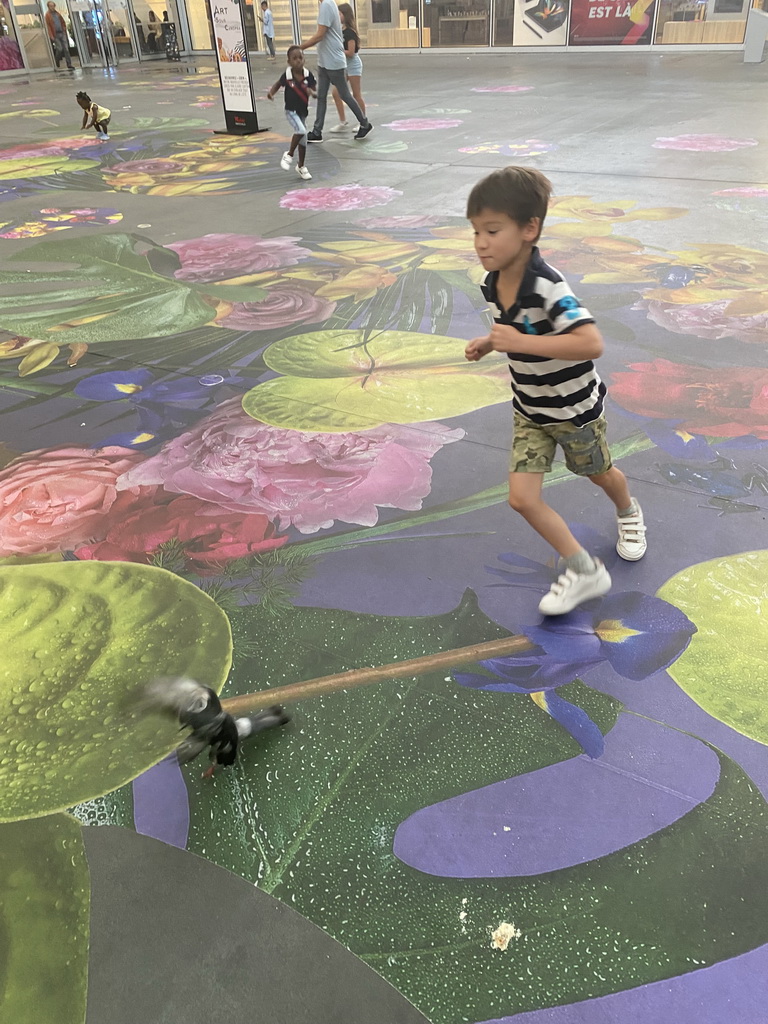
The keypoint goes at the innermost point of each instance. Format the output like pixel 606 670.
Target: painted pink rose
pixel 58 498
pixel 416 220
pixel 218 256
pixel 296 478
pixel 703 143
pixel 502 88
pixel 423 124
pixel 749 191
pixel 706 320
pixel 58 147
pixel 339 197
pixel 208 534
pixel 282 307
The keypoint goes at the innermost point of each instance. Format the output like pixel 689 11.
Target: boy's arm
pixel 276 87
pixel 311 84
pixel 578 344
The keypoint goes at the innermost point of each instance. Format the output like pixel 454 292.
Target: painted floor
pixel 241 443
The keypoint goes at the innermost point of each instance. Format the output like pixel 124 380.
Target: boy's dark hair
pixel 520 192
pixel 83 96
pixel 292 49
pixel 264 3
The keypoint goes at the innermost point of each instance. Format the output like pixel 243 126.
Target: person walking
pixel 354 65
pixel 57 33
pixel 332 70
pixel 269 29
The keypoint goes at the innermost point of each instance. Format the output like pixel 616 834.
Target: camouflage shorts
pixel 585 448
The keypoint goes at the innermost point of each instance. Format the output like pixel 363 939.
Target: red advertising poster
pixel 611 22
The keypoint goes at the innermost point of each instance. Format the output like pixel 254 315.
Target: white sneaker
pixel 632 544
pixel 104 137
pixel 304 173
pixel 573 588
pixel 285 161
pixel 342 126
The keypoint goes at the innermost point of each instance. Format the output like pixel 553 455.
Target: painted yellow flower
pixel 584 209
pixel 358 283
pixel 372 249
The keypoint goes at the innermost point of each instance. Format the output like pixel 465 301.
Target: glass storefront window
pixel 10 52
pixel 34 34
pixel 701 21
pixel 200 27
pixel 457 23
pixel 388 23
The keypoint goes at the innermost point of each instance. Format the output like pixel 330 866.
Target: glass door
pixel 103 36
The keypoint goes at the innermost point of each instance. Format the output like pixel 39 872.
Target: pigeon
pixel 198 708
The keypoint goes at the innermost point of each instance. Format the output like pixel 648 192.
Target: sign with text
pixel 611 22
pixel 233 66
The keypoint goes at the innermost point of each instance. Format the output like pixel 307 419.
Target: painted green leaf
pixel 723 669
pixel 103 289
pixel 354 380
pixel 169 122
pixel 80 641
pixel 39 166
pixel 311 814
pixel 44 909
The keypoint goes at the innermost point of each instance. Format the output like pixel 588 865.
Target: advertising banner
pixel 541 23
pixel 611 22
pixel 233 66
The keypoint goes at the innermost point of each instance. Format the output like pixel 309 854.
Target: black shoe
pixel 364 130
pixel 314 136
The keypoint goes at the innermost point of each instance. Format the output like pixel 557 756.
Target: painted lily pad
pixel 81 640
pixel 44 910
pixel 723 669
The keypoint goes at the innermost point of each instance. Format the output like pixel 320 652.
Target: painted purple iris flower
pixel 636 634
pixel 161 406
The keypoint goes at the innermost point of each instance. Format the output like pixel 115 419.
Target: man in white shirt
pixel 332 69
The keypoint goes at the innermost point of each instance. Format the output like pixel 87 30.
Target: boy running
pixel 551 341
pixel 299 84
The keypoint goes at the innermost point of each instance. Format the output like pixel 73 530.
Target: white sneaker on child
pixel 285 161
pixel 342 126
pixel 572 588
pixel 632 544
pixel 304 173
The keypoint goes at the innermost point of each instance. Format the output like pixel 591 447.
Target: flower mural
pixel 721 402
pixel 218 256
pixel 339 197
pixel 423 124
pixel 521 150
pixel 385 516
pixel 300 479
pixel 53 219
pixel 161 406
pixel 281 308
pixel 502 88
pixel 704 143
pixel 208 534
pixel 636 634
pixel 55 499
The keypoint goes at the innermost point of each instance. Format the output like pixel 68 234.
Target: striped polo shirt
pixel 547 390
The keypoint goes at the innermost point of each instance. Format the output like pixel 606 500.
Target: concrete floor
pixel 436 848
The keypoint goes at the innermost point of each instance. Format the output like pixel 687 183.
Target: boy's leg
pixel 270 45
pixel 302 152
pixel 295 140
pixel 533 448
pixel 339 79
pixel 587 454
pixel 525 498
pixel 323 85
